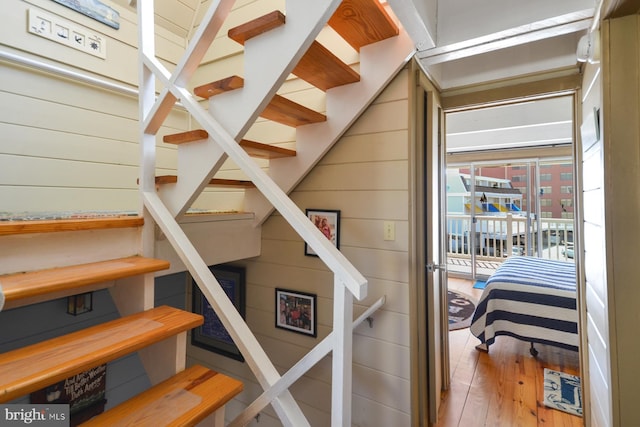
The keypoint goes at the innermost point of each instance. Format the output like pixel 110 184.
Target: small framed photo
pixel 212 335
pixel 296 311
pixel 328 222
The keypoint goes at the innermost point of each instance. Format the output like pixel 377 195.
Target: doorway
pixel 509 187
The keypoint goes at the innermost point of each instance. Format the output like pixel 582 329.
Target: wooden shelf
pixel 362 22
pixel 183 400
pixel 31 368
pixel 71 280
pixel 69 224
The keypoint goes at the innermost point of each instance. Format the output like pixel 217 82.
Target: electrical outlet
pixel 389 230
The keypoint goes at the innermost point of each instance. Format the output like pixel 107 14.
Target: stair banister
pixel 330 255
pixel 255 356
pixel 300 368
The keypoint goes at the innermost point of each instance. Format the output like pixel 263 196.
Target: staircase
pixel 276 44
pixel 140 329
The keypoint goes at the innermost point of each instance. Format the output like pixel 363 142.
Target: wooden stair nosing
pixel 221 182
pixel 159 404
pixel 255 27
pixel 70 224
pixel 362 22
pixel 185 137
pixel 31 284
pixel 31 368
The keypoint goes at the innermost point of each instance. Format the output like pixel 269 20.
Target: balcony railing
pixel 494 238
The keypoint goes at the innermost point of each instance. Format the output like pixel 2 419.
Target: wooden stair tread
pixel 69 224
pixel 265 151
pixel 31 368
pixel 31 284
pixel 362 22
pixel 280 109
pixel 182 400
pixel 172 179
pixel 318 66
pixel 253 148
pixel 219 86
pixel 184 137
pixel 257 26
pixel 321 68
pixel 289 113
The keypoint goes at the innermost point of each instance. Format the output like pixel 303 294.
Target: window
pixel 545 190
pixel 566 203
pixel 566 189
pixel 545 177
pixel 546 214
pixel 519 178
pixel 567 215
pixel 566 176
pixel 546 202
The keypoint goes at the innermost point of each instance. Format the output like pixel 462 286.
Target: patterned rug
pixel 461 308
pixel 562 391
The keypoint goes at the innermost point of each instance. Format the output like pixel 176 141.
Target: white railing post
pixel 509 234
pixel 342 355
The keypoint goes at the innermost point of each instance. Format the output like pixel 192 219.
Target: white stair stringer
pixel 269 59
pixel 379 64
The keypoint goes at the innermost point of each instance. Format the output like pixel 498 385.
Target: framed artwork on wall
pixel 212 335
pixel 296 311
pixel 328 222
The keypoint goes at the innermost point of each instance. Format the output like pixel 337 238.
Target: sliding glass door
pixel 498 210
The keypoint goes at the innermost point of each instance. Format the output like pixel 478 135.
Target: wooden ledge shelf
pixel 63 281
pixel 69 224
pixel 183 400
pixel 31 368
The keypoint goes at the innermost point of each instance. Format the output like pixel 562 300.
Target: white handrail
pixel 300 368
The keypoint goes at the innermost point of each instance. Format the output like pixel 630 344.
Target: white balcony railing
pixel 496 237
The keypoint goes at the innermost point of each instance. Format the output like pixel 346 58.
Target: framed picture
pixel 212 335
pixel 328 222
pixel 296 311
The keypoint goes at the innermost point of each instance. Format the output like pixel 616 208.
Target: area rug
pixel 562 391
pixel 461 308
pixel 480 284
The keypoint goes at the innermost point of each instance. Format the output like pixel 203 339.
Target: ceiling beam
pixel 552 27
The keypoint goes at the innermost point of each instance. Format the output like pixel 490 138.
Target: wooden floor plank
pixel 503 387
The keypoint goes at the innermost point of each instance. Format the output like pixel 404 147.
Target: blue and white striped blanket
pixel 531 299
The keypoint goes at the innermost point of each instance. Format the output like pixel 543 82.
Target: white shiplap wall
pixel 66 145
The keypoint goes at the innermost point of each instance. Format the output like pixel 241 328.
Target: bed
pixel 530 299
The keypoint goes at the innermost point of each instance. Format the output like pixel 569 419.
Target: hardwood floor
pixel 503 387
